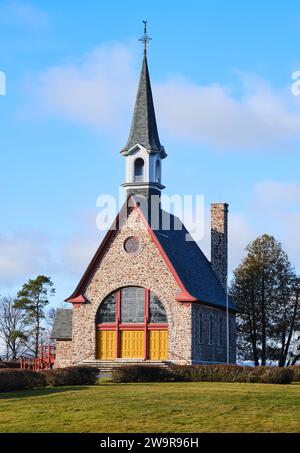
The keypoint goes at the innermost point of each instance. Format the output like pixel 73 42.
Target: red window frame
pixel 145 326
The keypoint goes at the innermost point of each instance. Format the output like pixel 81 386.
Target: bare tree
pixel 13 330
pixel 47 325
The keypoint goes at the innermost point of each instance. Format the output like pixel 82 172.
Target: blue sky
pixel 221 77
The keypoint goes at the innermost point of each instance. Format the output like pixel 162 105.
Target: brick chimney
pixel 219 240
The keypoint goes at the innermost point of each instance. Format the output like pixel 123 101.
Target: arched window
pixel 132 323
pixel 138 170
pixel 158 171
pixel 137 305
pixel 107 312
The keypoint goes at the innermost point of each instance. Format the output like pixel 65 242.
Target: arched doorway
pixel 131 323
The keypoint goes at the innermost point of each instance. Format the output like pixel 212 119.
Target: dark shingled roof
pixel 191 265
pixel 62 327
pixel 143 127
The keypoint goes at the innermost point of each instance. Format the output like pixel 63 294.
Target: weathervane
pixel 145 38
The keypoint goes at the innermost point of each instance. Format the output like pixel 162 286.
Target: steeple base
pixel 148 200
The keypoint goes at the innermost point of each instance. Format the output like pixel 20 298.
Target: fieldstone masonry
pixel 219 241
pixel 64 351
pixel 147 269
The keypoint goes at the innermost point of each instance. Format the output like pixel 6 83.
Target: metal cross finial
pixel 145 38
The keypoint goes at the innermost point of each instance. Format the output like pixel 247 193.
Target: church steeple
pixel 143 150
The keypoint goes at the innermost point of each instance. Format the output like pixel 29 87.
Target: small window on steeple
pixel 139 170
pixel 158 171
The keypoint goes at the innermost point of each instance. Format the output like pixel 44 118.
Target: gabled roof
pixel 62 327
pixel 189 266
pixel 143 127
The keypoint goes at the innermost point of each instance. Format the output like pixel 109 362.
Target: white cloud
pixel 77 253
pixel 22 256
pixel 96 91
pixel 259 119
pixel 99 91
pixel 276 206
pixel 275 193
pixel 23 13
pixel 240 234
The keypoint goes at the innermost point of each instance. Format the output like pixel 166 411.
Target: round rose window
pixel 131 244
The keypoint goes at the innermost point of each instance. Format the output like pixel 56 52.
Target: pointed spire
pixel 143 127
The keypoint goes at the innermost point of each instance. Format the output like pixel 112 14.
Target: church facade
pixel 149 295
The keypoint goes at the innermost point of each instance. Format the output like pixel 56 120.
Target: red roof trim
pixel 184 296
pixel 78 300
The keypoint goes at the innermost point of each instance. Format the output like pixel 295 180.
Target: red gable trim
pixel 78 300
pixel 77 297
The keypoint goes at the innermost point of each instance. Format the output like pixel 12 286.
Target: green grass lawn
pixel 154 407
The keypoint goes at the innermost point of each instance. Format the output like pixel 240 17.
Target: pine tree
pixel 266 290
pixel 32 299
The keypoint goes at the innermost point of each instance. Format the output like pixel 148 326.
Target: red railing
pixel 44 362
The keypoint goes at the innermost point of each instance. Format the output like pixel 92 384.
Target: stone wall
pixel 205 350
pixel 146 268
pixel 64 353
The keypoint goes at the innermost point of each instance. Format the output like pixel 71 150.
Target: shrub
pixel 203 373
pixel 19 379
pixel 140 373
pixel 9 364
pixel 270 375
pixel 78 375
pixel 232 373
pixel 208 373
pixel 296 372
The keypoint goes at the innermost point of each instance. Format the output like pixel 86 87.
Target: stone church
pixel 148 294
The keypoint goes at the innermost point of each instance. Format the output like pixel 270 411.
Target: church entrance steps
pixel 106 366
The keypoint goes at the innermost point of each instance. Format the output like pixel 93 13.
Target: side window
pixel 220 332
pixel 210 330
pixel 158 171
pixel 200 328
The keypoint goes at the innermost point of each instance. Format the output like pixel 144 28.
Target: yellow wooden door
pixel 106 344
pixel 132 344
pixel 158 344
